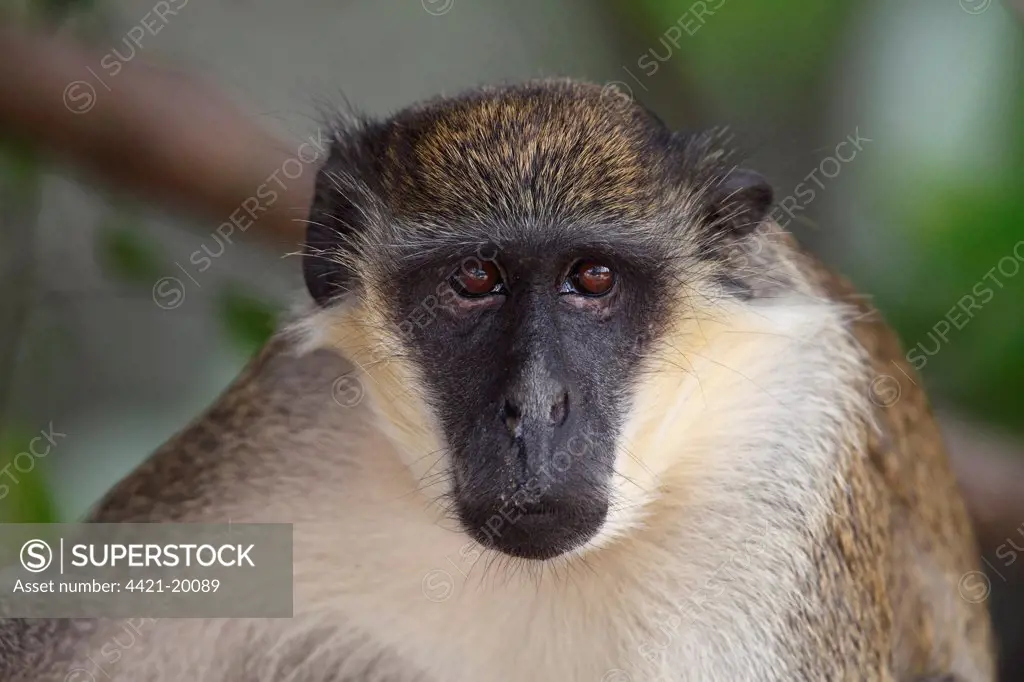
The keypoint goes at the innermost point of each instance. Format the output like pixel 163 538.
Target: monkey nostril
pixel 560 409
pixel 511 414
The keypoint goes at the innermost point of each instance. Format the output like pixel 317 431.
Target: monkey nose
pixel 555 410
pixel 559 409
pixel 512 416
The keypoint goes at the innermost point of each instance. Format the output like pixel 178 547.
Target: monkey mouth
pixel 537 530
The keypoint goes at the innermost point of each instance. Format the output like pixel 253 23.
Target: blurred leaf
pixel 63 7
pixel 962 237
pixel 20 167
pixel 249 321
pixel 59 10
pixel 126 253
pixel 745 52
pixel 24 497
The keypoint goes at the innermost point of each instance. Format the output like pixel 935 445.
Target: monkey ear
pixel 331 222
pixel 740 200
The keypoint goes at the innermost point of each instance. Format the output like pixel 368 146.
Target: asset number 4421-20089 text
pixel 173 585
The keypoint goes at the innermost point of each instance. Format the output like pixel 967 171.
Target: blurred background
pixel 131 130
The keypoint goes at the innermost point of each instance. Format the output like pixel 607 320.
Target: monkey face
pixel 527 351
pixel 506 265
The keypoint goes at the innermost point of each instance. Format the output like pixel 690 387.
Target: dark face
pixel 528 350
pixel 529 244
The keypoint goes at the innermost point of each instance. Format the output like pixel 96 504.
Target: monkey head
pixel 509 268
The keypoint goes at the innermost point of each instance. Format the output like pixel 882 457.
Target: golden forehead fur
pixel 549 149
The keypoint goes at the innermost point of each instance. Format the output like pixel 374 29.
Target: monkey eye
pixel 589 278
pixel 477 279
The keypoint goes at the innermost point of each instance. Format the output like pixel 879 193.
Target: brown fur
pixel 920 525
pixel 510 145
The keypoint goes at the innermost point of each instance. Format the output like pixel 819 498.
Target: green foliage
pixel 24 495
pixel 961 232
pixel 248 321
pixel 733 55
pixel 62 8
pixel 970 293
pixel 125 253
pixel 19 170
pixel 49 11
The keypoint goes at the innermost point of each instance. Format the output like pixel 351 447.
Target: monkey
pixel 564 402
